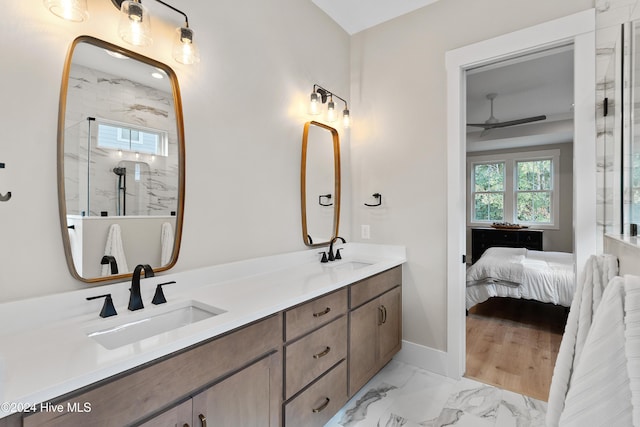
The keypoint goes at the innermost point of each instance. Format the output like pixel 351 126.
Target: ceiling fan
pixel 493 123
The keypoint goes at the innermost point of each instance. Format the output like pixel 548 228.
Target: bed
pixel 521 273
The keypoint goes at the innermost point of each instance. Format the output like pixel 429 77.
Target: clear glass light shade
pixel 331 112
pixel 71 10
pixel 314 104
pixel 346 119
pixel 184 50
pixel 134 27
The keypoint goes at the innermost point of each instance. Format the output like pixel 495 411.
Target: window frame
pixel 163 137
pixel 510 207
pixel 473 193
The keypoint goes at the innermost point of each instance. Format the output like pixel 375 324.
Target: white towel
pixel 166 242
pixel 604 389
pixel 114 248
pixel 599 270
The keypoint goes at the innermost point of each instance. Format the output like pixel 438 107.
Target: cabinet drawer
pixel 309 357
pixel 315 313
pixel 317 404
pixel 532 240
pixel 373 286
pixel 505 237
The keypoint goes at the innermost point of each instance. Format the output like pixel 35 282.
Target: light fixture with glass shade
pixel 134 26
pixel 71 10
pixel 184 51
pixel 314 106
pixel 319 96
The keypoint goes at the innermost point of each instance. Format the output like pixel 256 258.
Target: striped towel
pixel 599 270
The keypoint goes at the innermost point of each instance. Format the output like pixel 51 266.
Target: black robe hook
pixel 377 196
pixel 4 197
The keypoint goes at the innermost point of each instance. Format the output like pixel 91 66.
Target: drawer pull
pixel 203 420
pixel 321 407
pixel 322 313
pixel 322 353
pixel 380 316
pixel 384 314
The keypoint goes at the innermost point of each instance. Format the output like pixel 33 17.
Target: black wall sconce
pixel 321 95
pixel 134 27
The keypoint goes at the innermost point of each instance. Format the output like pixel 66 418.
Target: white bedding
pixel 521 273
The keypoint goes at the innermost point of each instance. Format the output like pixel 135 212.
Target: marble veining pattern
pixel 403 395
pixel 90 184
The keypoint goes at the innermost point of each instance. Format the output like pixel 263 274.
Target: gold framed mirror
pixel 320 184
pixel 121 159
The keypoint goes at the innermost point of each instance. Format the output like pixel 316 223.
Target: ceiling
pixel 357 15
pixel 532 85
pixel 538 84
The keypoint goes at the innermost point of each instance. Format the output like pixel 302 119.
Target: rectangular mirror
pixel 120 161
pixel 320 184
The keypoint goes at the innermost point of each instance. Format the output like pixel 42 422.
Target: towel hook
pixel 376 196
pixel 4 197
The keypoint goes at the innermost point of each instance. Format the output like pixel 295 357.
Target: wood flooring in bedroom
pixel 513 344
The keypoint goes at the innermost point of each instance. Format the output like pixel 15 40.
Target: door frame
pixel 579 30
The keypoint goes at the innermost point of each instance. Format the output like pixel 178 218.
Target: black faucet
pixel 111 260
pixel 332 257
pixel 135 298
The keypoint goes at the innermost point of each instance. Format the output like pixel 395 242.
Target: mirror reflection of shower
pixel 134 188
pixel 121 190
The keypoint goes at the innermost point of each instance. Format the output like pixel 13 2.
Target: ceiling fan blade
pixel 508 123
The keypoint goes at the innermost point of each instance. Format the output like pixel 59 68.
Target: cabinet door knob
pixel 322 353
pixel 321 407
pixel 322 313
pixel 203 420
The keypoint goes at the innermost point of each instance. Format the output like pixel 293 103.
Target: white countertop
pixel 45 351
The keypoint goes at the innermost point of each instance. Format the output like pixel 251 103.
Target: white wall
pixel 244 109
pixel 398 86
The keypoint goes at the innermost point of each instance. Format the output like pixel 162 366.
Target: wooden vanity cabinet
pixel 14 420
pixel 375 325
pixel 245 399
pixel 295 368
pixel 315 367
pixel 180 415
pixel 222 367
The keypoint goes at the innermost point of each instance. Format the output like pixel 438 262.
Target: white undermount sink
pixel 114 333
pixel 348 265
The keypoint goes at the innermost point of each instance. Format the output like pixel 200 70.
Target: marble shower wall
pixel 610 15
pixel 93 93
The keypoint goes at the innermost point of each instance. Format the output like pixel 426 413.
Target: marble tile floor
pixel 403 395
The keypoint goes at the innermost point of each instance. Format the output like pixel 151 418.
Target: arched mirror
pixel 320 183
pixel 120 162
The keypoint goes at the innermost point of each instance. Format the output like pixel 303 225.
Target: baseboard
pixel 424 357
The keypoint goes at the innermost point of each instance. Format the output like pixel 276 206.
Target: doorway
pixel 519 156
pixel 577 30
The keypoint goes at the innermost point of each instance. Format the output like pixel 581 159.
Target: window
pixel 533 191
pixel 516 187
pixel 488 191
pixel 126 137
